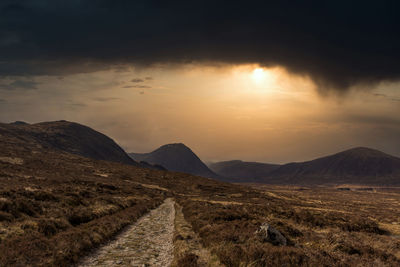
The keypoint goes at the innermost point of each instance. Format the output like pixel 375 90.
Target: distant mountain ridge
pixel 176 157
pixel 357 165
pixel 69 137
pixel 360 165
pixel 242 171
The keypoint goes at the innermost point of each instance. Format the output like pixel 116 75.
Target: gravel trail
pixel 148 242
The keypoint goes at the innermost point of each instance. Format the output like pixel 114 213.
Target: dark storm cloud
pixel 19 85
pixel 337 43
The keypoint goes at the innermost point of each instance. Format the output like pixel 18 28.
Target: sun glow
pixel 259 75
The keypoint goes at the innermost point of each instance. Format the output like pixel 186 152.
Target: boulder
pixel 267 233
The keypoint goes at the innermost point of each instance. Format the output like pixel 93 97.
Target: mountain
pixel 359 165
pixel 242 171
pixel 69 137
pixel 176 157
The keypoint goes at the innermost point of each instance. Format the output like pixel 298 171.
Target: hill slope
pixel 55 207
pixel 176 157
pixel 242 171
pixel 69 137
pixel 354 166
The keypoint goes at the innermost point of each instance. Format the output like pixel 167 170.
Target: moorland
pixel 56 206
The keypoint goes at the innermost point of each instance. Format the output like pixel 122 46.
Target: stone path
pixel 148 242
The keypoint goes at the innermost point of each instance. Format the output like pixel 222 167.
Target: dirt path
pixel 148 242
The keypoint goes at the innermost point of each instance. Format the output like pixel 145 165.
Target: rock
pixel 267 233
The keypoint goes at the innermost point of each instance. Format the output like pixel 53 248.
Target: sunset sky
pixel 261 82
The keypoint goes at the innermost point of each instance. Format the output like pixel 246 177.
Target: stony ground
pixel 148 242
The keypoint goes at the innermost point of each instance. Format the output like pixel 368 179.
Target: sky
pixel 255 80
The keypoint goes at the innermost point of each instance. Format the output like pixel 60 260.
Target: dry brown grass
pixel 188 250
pixel 324 227
pixel 55 207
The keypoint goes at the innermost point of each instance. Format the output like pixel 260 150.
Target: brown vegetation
pixel 55 220
pixel 324 227
pixel 188 250
pixel 55 207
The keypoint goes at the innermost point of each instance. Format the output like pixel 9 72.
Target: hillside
pixel 176 157
pixel 242 171
pixel 354 166
pixel 69 137
pixel 56 207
